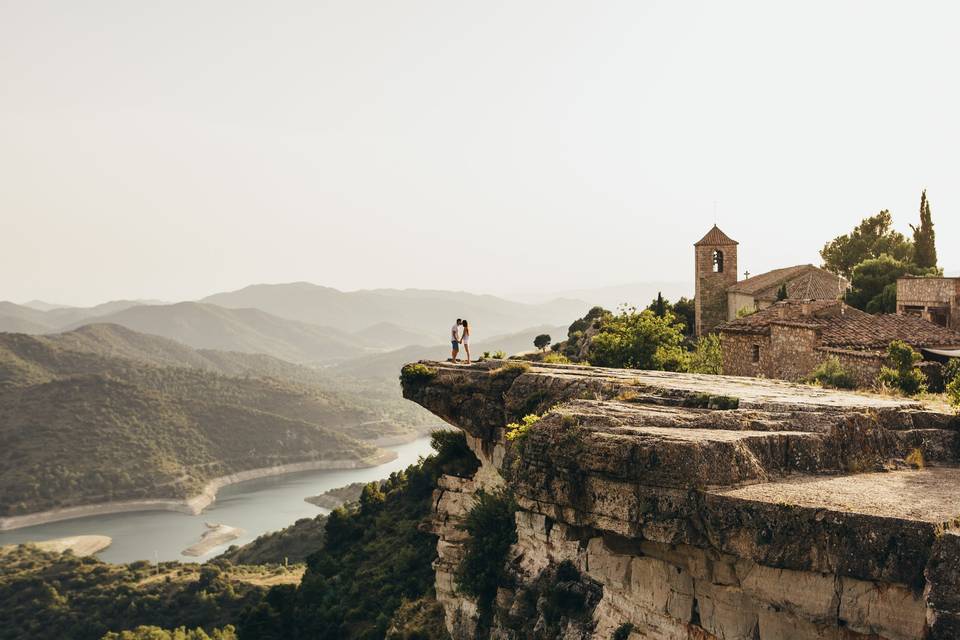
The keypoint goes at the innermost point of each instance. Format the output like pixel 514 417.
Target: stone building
pixel 933 299
pixel 720 296
pixel 790 338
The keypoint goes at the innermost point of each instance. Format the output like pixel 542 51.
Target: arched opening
pixel 718 261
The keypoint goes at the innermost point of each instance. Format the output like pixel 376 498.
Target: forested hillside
pixel 105 414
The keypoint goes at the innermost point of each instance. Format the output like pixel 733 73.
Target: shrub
pixel 916 460
pixel 499 355
pixel 710 401
pixel 510 369
pixel 556 358
pixel 830 373
pixel 417 374
pixel 707 356
pixel 951 371
pixel 517 431
pixel 902 372
pixel 640 340
pixel 953 392
pixel 492 527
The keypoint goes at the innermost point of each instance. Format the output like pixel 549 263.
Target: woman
pixel 465 339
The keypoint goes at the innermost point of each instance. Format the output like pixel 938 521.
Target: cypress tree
pixel 782 292
pixel 924 239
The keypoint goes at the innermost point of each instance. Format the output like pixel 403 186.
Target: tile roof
pixel 715 236
pixel 804 282
pixel 844 327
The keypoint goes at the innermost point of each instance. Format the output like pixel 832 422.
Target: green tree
pixel 953 392
pixel 874 283
pixel 542 341
pixel 659 306
pixel 902 371
pixel 782 292
pixel 924 238
pixel 491 524
pixel 685 312
pixel 873 237
pixel 639 340
pixel 707 356
pixel 830 373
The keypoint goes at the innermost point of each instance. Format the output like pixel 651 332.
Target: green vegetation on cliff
pixel 375 562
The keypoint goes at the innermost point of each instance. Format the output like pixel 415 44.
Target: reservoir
pixel 257 506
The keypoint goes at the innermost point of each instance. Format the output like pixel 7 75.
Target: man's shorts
pixel 455 345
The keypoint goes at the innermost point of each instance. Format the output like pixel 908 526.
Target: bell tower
pixel 715 272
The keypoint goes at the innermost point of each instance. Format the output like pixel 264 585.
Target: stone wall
pixel 738 350
pixel 864 366
pixel 738 301
pixel 934 299
pixel 710 301
pixel 792 353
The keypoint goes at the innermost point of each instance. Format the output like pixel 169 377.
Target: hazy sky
pixel 174 149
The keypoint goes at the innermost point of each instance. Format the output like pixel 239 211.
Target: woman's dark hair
pixel 465 323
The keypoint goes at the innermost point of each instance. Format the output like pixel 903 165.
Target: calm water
pixel 258 506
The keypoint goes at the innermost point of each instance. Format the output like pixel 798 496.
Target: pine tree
pixel 924 238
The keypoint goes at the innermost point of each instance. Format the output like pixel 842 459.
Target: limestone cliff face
pixel 665 512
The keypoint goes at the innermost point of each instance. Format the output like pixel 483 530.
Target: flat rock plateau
pixel 701 507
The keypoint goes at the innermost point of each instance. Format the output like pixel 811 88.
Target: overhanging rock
pixel 707 506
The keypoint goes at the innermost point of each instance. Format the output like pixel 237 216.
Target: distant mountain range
pixel 302 322
pixel 386 365
pixel 638 294
pixel 105 413
pixel 424 312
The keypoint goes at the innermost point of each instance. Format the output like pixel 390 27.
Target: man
pixel 455 340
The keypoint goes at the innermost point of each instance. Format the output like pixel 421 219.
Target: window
pixel 756 353
pixel 718 261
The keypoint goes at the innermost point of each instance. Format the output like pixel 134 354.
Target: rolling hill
pixel 207 326
pixel 38 317
pixel 104 413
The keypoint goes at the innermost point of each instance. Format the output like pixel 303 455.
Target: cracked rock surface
pixel 702 507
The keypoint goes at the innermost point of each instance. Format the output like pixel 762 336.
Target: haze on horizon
pixel 173 150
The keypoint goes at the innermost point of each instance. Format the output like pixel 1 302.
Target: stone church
pixel 721 295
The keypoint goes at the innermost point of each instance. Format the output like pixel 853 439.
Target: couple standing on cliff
pixel 460 334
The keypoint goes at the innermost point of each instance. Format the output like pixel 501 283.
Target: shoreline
pixel 193 505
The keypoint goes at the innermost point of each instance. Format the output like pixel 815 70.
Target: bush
pixel 417 374
pixel 514 369
pixel 556 358
pixel 830 373
pixel 951 371
pixel 639 340
pixel 707 356
pixel 517 431
pixel 902 372
pixel 492 528
pixel 953 392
